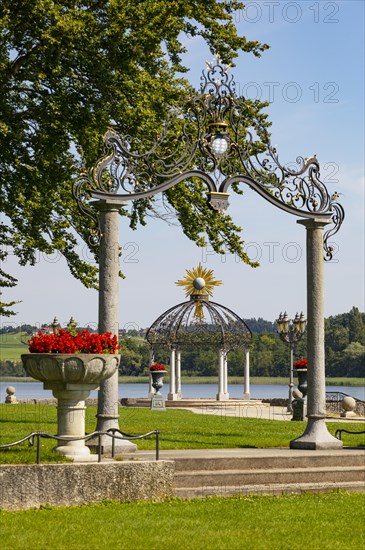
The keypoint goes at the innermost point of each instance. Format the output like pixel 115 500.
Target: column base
pixel 246 397
pixel 316 437
pixel 222 396
pixel 122 446
pixel 77 454
pixel 173 396
pixel 348 414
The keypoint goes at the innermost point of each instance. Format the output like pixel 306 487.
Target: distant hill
pixel 260 326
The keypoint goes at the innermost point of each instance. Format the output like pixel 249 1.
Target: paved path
pixel 173 454
pixel 259 411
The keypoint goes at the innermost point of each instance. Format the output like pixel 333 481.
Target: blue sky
pixel 314 75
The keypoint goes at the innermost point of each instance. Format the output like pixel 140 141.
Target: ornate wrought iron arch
pixel 208 139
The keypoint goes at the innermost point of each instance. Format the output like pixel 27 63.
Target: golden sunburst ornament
pixel 199 282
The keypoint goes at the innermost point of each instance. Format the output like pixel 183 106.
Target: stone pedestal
pixel 71 412
pixel 11 397
pixel 71 377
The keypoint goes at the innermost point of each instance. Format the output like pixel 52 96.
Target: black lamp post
pixel 291 332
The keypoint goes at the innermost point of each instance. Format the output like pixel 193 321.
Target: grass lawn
pixel 13 345
pixel 179 430
pixel 311 521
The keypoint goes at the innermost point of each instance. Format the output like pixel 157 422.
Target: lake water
pixel 34 390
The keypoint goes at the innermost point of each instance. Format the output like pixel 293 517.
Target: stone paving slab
pixel 172 454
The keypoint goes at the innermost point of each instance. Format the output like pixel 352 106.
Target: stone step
pixel 331 474
pixel 267 462
pixel 198 403
pixel 267 489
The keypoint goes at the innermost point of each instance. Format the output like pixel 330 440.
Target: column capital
pixel 111 206
pixel 315 223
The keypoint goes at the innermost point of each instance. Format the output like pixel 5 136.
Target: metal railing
pixel 334 399
pixel 339 432
pixel 39 435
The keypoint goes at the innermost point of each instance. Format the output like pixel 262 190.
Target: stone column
pixel 178 374
pixel 246 388
pixel 108 400
pixel 225 375
pixel 221 396
pixel 172 396
pixel 316 435
pixel 151 392
pixel 71 419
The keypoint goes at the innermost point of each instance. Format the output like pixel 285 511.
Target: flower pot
pixel 300 405
pixel 157 380
pixel 71 377
pixel 302 381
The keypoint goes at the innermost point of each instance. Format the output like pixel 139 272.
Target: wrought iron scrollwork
pixel 209 139
pixel 218 328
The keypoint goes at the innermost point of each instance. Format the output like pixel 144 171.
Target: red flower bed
pixel 157 366
pixel 64 342
pixel 301 364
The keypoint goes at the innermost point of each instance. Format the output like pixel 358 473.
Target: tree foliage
pixel 269 356
pixel 69 70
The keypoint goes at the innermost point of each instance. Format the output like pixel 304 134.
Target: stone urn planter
pixel 157 380
pixel 71 377
pixel 302 381
pixel 300 404
pixel 157 372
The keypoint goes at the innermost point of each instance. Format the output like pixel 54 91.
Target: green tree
pixel 356 326
pixel 135 356
pixel 354 359
pixel 69 70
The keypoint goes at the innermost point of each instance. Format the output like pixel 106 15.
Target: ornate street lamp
pixel 55 325
pixel 213 145
pixel 291 332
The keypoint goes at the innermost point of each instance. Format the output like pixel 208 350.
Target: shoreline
pixel 339 382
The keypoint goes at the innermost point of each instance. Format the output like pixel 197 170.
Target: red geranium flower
pixel 301 364
pixel 157 366
pixel 65 342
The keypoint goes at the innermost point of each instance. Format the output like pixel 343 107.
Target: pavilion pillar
pixel 225 375
pixel 151 391
pixel 222 394
pixel 316 436
pixel 108 400
pixel 178 374
pixel 246 388
pixel 172 396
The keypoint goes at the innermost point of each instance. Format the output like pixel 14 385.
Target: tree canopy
pixel 269 356
pixel 69 71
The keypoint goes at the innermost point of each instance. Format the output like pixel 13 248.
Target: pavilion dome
pixel 199 323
